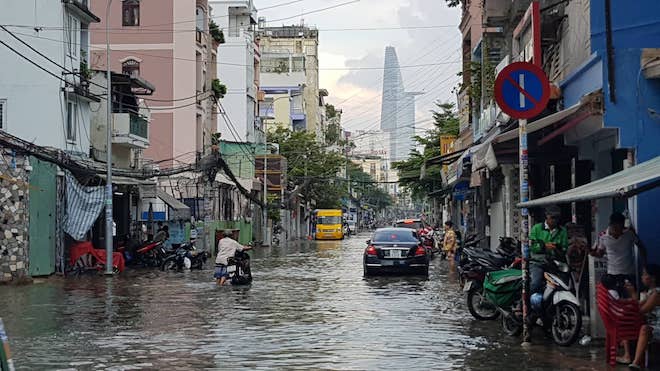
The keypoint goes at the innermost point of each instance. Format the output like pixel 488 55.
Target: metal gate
pixel 42 218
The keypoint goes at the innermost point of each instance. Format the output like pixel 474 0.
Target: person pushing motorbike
pixel 227 247
pixel 548 240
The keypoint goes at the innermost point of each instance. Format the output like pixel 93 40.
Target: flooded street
pixel 308 307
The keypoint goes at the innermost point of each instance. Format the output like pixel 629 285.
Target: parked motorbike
pixel 149 254
pixel 473 270
pixel 185 256
pixel 238 268
pixel 557 309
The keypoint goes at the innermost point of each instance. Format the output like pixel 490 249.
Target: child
pixel 649 305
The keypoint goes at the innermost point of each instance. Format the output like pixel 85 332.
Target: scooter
pixel 185 256
pixel 150 254
pixel 557 309
pixel 473 272
pixel 238 268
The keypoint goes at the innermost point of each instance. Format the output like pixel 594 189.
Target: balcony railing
pixel 139 127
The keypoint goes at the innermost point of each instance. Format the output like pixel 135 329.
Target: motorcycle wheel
pixel 479 307
pixel 170 264
pixel 566 324
pixel 511 325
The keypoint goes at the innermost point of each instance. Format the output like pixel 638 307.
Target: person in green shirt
pixel 548 240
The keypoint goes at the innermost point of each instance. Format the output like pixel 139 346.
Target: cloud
pixel 357 92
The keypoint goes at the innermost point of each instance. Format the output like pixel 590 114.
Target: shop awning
pixel 540 124
pixel 445 159
pixel 179 210
pixel 645 176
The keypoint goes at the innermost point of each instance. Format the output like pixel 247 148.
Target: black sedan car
pixel 395 250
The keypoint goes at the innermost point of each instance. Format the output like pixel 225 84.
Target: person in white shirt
pixel 227 247
pixel 618 244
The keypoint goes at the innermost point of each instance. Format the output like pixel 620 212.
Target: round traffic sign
pixel 522 90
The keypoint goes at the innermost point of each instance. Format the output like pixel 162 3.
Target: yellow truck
pixel 329 225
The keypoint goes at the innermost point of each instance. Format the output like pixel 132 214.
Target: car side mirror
pixel 368 242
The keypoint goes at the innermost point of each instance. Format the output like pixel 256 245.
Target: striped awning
pixel 83 206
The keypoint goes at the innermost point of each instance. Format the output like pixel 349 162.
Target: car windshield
pixel 409 224
pixel 394 236
pixel 329 220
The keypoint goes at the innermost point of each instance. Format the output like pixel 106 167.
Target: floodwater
pixel 308 308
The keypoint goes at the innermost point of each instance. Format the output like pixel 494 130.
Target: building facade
pixel 290 68
pixel 239 58
pixel 57 79
pixel 179 59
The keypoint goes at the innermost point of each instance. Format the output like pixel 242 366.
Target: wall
pixel 25 87
pixel 14 203
pixel 239 158
pixel 634 28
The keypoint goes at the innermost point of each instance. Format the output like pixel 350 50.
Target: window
pixel 131 12
pixel 71 121
pixel 394 236
pixel 72 34
pixel 3 114
pixel 200 16
pixel 131 67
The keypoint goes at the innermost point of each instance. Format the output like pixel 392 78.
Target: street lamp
pixel 109 127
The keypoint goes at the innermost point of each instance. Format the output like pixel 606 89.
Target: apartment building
pixel 168 43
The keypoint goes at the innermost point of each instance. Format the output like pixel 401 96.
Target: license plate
pixel 468 286
pixel 395 254
pixel 231 269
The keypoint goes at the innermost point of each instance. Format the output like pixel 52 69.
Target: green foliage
pixel 311 166
pixel 273 208
pixel 216 32
pixel 215 138
pixel 367 190
pixel 219 89
pixel 331 112
pixel 487 73
pixel 410 170
pixel 85 71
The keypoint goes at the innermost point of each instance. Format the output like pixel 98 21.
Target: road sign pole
pixel 524 223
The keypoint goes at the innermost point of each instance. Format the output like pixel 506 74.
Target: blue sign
pixel 522 90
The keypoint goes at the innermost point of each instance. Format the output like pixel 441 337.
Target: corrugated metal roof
pixel 616 185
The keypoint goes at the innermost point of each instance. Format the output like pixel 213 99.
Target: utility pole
pixel 108 151
pixel 264 210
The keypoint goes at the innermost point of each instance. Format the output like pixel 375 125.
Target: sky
pixel 358 92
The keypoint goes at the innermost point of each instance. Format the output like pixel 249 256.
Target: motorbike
pixel 473 269
pixel 185 256
pixel 238 268
pixel 557 309
pixel 149 254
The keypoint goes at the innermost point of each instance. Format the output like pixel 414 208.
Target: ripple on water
pixel 309 307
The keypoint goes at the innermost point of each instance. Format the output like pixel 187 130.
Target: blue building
pixel 631 90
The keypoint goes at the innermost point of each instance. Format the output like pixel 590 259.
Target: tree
pixel 311 167
pixel 367 189
pixel 422 182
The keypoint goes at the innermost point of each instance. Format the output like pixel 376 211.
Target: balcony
pixel 81 9
pixel 131 130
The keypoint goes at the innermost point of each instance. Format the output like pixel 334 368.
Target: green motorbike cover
pixel 503 287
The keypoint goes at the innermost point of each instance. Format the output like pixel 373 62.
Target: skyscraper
pixel 397 115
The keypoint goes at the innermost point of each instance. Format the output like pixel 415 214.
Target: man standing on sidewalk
pixel 618 243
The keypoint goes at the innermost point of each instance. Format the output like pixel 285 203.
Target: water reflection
pixel 308 307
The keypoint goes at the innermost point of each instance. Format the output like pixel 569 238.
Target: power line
pixel 315 11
